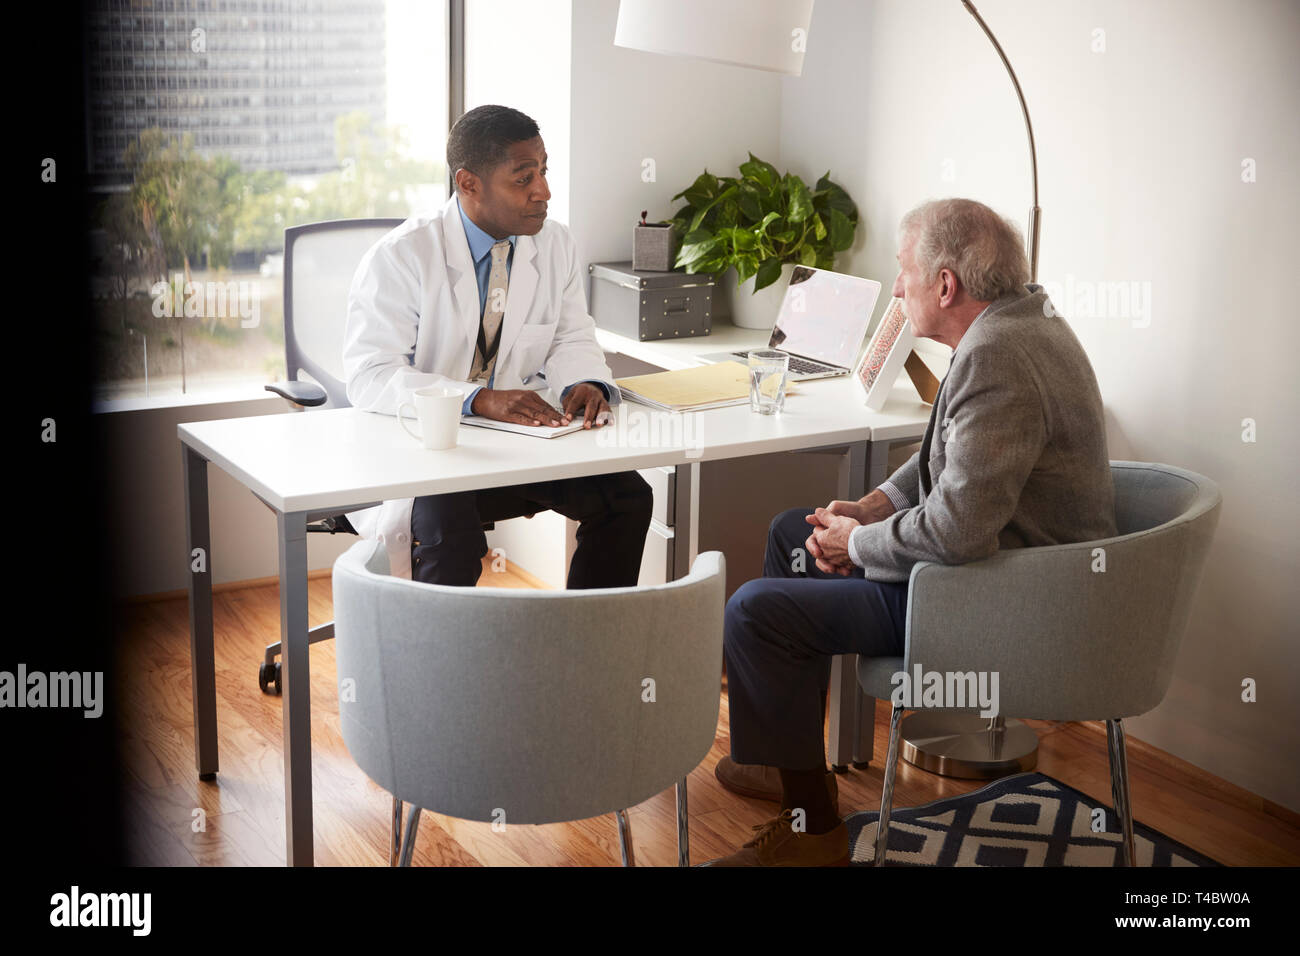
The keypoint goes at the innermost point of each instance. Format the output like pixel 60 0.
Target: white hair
pixel 984 250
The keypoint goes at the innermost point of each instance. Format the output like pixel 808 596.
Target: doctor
pixel 486 297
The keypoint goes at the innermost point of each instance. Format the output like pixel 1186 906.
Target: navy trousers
pixel 781 632
pixel 612 511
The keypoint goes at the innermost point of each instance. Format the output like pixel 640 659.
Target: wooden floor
pixel 242 818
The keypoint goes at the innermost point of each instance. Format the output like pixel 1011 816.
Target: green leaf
pixel 741 240
pixel 819 227
pixel 766 221
pixel 701 191
pixel 697 245
pixel 728 211
pixel 682 219
pixel 767 273
pixel 755 172
pixel 764 174
pixel 746 266
pixel 749 203
pixel 703 211
pixel 837 198
pixel 801 206
pixel 808 256
pixel 841 231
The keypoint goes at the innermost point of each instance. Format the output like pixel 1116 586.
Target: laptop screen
pixel 825 315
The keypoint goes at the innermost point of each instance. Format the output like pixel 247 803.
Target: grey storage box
pixel 651 305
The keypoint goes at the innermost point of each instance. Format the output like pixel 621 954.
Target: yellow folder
pixel 691 389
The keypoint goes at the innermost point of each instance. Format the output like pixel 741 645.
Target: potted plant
pixel 761 224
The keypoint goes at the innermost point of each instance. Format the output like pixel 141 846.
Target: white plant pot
pixel 750 310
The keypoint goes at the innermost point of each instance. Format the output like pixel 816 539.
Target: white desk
pixel 307 466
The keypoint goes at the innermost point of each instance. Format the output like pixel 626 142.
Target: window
pixel 367 81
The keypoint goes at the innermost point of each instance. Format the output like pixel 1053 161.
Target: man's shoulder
pixel 410 244
pixel 1024 339
pixel 412 231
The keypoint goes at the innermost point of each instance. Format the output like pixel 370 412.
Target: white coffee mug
pixel 438 410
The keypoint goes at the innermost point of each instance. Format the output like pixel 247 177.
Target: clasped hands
pixel 829 541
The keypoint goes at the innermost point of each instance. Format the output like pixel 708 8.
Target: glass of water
pixel 768 370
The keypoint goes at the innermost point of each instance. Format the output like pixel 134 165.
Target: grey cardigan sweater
pixel 1014 455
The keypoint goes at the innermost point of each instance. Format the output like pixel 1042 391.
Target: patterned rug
pixel 1024 820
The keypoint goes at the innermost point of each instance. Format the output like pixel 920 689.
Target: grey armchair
pixel 523 706
pixel 1069 642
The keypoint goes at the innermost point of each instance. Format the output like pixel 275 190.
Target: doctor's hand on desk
pixel 521 406
pixel 588 401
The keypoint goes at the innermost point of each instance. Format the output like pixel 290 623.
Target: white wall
pixel 517 54
pixel 629 106
pixel 1140 151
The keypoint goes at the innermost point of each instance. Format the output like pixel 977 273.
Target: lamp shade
pixel 760 34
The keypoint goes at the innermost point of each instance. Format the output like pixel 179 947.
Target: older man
pixel 1014 456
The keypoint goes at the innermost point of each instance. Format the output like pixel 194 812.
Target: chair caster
pixel 268 674
pixel 840 768
pixel 861 765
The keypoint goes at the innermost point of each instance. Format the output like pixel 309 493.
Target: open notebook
pixel 536 431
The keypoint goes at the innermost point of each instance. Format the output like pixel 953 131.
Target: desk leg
pixel 852 714
pixel 876 466
pixel 684 544
pixel 203 666
pixel 296 681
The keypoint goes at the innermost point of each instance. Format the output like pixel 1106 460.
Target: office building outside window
pixel 215 124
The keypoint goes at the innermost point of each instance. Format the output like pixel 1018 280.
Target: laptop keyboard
pixel 798 364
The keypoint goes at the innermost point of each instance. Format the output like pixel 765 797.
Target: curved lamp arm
pixel 1034 213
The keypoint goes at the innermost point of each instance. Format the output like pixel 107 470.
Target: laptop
pixel 821 324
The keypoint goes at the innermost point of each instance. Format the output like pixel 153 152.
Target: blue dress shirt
pixel 480 249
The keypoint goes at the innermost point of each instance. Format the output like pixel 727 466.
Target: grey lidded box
pixel 650 305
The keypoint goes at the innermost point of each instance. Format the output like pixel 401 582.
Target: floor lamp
pixel 771 35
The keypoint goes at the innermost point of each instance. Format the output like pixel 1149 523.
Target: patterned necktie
pixel 494 309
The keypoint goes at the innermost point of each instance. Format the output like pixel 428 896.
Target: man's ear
pixel 467 184
pixel 947 288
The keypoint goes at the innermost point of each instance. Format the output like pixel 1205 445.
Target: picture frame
pixel 884 356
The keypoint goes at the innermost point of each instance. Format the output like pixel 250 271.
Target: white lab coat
pixel 413 319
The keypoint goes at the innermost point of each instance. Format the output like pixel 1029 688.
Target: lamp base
pixel 967 746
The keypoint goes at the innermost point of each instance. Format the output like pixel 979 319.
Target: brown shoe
pixel 777 844
pixel 761 782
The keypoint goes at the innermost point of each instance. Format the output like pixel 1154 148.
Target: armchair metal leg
pixel 408 839
pixel 625 837
pixel 887 794
pixel 683 826
pixel 1119 787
